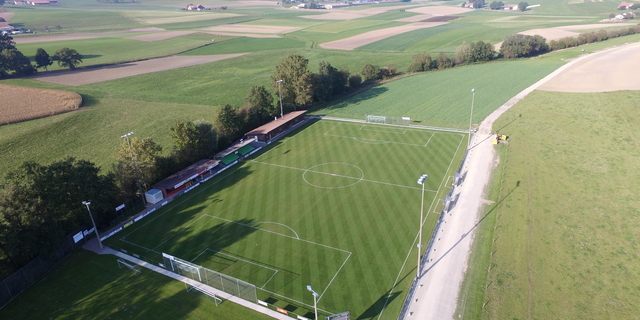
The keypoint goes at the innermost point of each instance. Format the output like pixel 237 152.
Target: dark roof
pixel 275 124
pixel 185 174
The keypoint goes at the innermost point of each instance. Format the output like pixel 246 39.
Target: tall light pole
pixel 315 301
pixel 473 96
pixel 87 203
pixel 280 94
pixel 421 181
pixel 135 166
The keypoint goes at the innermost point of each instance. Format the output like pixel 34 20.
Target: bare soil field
pixel 6 15
pixel 440 10
pixel 87 76
pixel 242 28
pixel 26 103
pixel 151 37
pixel 248 35
pixel 602 73
pixel 77 36
pixel 373 36
pixel 353 14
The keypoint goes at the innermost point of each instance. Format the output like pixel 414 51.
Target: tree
pixel 355 81
pixel 296 81
pixel 261 101
pixel 193 141
pixel 6 42
pixel 496 5
pixel 463 5
pixel 67 58
pixel 228 125
pixel 443 62
pixel 13 62
pixel 421 62
pixel 42 59
pixel 370 72
pixel 519 45
pixel 522 6
pixel 136 159
pixel 464 53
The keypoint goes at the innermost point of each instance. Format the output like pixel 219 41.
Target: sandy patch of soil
pixel 76 36
pixel 245 28
pixel 373 36
pixel 26 103
pixel 440 10
pixel 602 73
pixel 241 4
pixel 248 35
pixel 338 14
pixel 6 15
pixel 160 36
pixel 418 18
pixel 87 76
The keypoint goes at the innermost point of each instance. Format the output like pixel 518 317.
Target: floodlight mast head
pixel 473 90
pixel 126 135
pixel 86 203
pixel 279 81
pixel 422 179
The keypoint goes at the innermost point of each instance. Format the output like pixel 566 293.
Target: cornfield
pixel 24 103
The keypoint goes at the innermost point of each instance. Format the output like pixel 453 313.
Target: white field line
pixel 336 175
pixel 280 234
pixel 284 225
pixel 234 257
pixel 431 207
pixel 274 274
pixel 334 277
pixel 294 300
pixel 364 128
pixel 177 232
pixel 430 139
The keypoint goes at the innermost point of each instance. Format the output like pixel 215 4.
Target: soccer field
pixel 334 205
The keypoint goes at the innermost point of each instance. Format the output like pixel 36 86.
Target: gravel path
pixel 437 292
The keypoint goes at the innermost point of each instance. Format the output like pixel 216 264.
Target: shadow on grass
pixel 377 307
pixel 363 96
pixel 464 235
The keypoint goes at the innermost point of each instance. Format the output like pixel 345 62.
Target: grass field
pixel 333 206
pixel 564 243
pixel 91 286
pixel 444 99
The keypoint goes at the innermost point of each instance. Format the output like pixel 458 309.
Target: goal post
pixel 376 119
pixel 133 267
pixel 399 121
pixel 210 295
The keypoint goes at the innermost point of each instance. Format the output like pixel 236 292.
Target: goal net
pixel 400 121
pixel 210 295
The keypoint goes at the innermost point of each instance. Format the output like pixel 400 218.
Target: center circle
pixel 333 175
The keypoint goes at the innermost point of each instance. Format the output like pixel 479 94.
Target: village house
pixel 193 7
pixel 625 6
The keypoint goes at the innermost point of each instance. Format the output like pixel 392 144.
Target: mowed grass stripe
pixel 354 238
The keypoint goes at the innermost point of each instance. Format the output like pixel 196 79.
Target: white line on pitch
pixel 334 276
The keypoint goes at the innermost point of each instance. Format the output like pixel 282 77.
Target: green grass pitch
pixel 333 206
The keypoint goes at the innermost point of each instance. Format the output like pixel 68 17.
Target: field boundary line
pixel 394 125
pixel 334 277
pixel 367 180
pixel 422 223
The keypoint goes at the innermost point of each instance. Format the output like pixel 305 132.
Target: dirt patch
pixel 441 18
pixel 160 36
pixel 6 15
pixel 26 103
pixel 418 18
pixel 440 10
pixel 600 73
pixel 245 28
pixel 373 36
pixel 87 76
pixel 338 14
pixel 76 36
pixel 248 35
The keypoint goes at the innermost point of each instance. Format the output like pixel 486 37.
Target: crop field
pixel 95 287
pixel 443 99
pixel 402 41
pixel 328 207
pixel 341 26
pixel 247 44
pixel 24 103
pixel 155 18
pixel 564 242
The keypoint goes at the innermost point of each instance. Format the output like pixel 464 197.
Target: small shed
pixel 185 177
pixel 268 131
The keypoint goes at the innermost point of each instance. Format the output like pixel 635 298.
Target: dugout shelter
pixel 270 130
pixel 185 177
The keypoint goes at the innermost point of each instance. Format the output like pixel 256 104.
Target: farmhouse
pixel 5 26
pixel 511 7
pixel 268 131
pixel 625 6
pixel 468 5
pixel 42 2
pixel 193 7
pixel 19 2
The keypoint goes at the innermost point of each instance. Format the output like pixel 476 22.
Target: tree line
pixel 514 46
pixel 13 63
pixel 40 204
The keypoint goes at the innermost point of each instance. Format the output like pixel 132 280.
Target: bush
pixel 519 45
pixel 355 81
pixel 370 72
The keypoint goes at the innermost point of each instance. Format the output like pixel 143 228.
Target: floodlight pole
pixel 473 96
pixel 87 203
pixel 135 167
pixel 315 301
pixel 280 94
pixel 421 181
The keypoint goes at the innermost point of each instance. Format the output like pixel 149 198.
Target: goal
pixel 399 121
pixel 210 295
pixel 376 119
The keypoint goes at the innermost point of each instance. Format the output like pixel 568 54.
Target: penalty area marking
pixel 284 225
pixel 275 271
